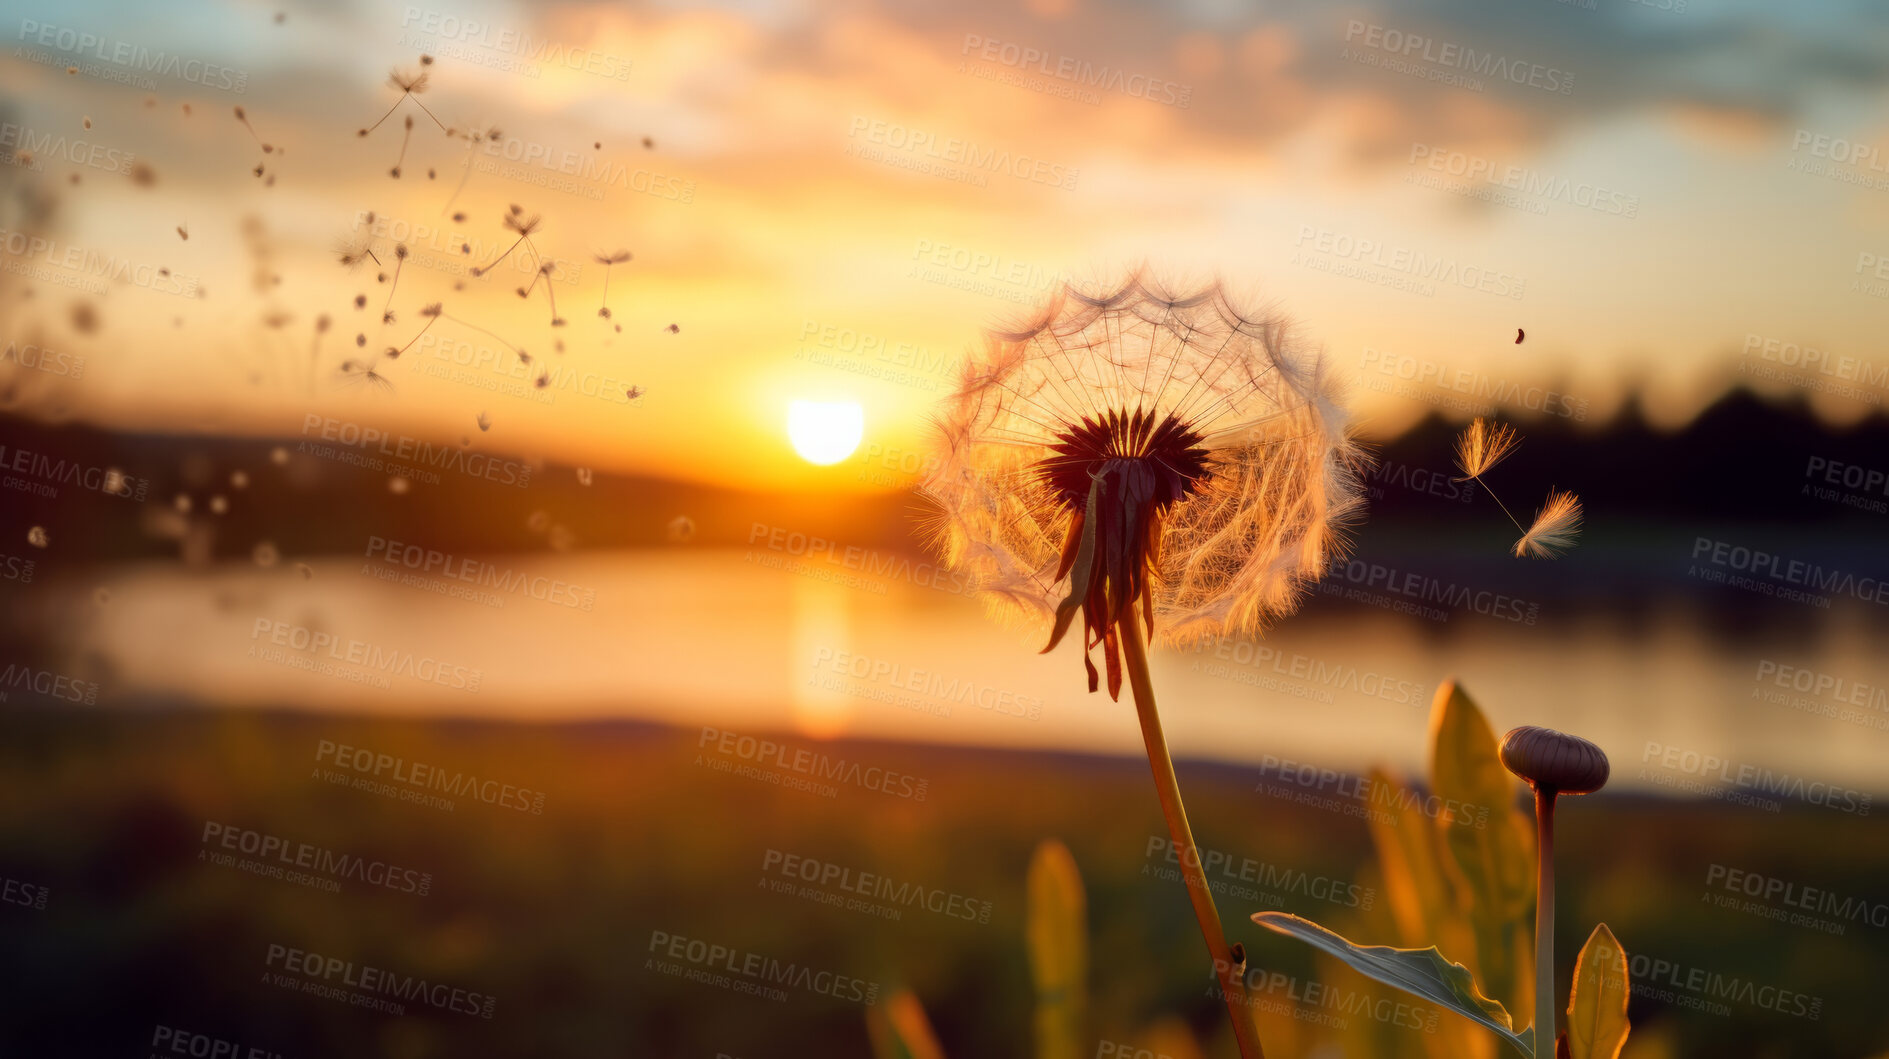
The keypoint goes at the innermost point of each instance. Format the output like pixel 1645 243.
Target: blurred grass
pixel 554 914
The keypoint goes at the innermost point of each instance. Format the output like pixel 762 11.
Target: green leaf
pixel 1420 972
pixel 1597 1002
pixel 1057 932
pixel 899 1030
pixel 1489 842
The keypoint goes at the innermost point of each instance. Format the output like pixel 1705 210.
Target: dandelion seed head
pixel 1483 445
pixel 1222 433
pixel 1556 528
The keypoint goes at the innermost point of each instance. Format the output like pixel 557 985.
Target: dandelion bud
pixel 1554 761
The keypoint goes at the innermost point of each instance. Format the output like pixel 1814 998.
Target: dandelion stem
pixel 1500 504
pixel 501 257
pixel 1230 972
pixel 384 117
pixel 1544 923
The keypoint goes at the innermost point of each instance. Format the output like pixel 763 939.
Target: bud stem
pixel 1544 923
pixel 1230 972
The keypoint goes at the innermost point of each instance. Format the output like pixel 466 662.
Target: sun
pixel 825 432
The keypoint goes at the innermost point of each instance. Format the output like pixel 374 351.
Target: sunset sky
pixel 837 198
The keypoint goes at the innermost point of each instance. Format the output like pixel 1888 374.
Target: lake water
pixel 760 641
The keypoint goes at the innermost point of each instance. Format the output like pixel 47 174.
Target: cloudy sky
pixel 829 202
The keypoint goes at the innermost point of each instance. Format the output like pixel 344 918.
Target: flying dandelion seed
pixel 561 539
pixel 183 233
pixel 143 175
pixel 1557 524
pixel 244 118
pixel 360 340
pixel 544 378
pixel 72 71
pixel 1159 452
pixel 400 262
pixel 522 355
pixel 264 554
pixel 473 137
pixel 279 456
pixel 1556 528
pixel 583 476
pixel 404 141
pixel 674 329
pixel 182 503
pixel 648 143
pixel 1519 335
pixel 537 522
pixel 87 122
pixel 354 371
pixel 360 301
pixel 1482 446
pixel 219 505
pixel 681 529
pixel 239 479
pixel 307 571
pixel 398 485
pixel 432 314
pixel 38 538
pixel 410 86
pixel 485 422
pixel 607 260
pixel 516 221
pixel 84 318
pixel 633 392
